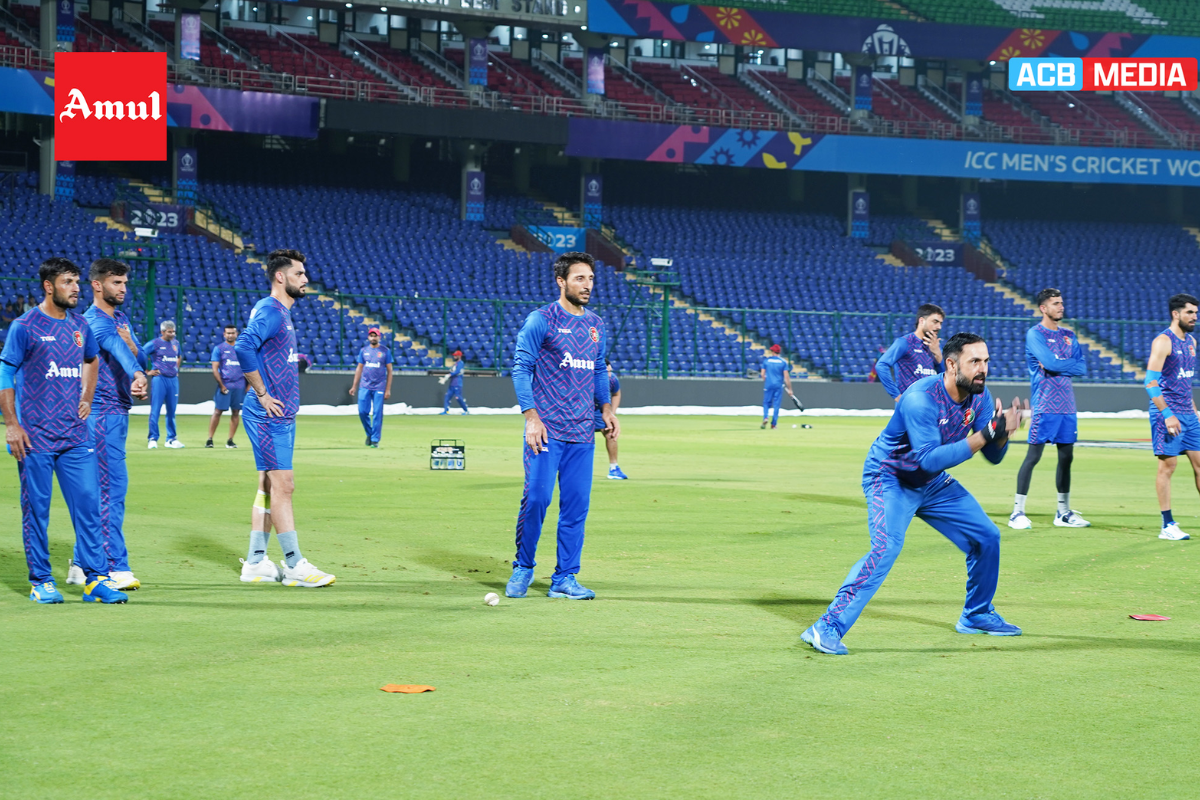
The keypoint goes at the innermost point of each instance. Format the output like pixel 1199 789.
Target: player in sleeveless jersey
pixel 1054 356
pixel 559 377
pixel 939 422
pixel 231 387
pixel 915 355
pixel 774 374
pixel 48 372
pixel 374 373
pixel 266 351
pixel 165 358
pixel 1174 428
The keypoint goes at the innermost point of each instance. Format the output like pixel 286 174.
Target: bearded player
pixel 1173 423
pixel 560 378
pixel 939 422
pixel 915 355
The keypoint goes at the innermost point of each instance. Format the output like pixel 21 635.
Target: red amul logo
pixel 595 334
pixel 78 339
pixel 110 106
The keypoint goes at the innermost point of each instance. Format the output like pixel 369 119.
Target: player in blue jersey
pixel 559 377
pixel 454 390
pixel 231 387
pixel 610 444
pixel 774 373
pixel 915 355
pixel 939 422
pixel 1174 428
pixel 1054 356
pixel 48 372
pixel 374 371
pixel 165 359
pixel 266 351
pixel 121 378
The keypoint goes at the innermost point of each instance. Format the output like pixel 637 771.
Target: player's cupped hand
pixel 535 435
pixel 18 441
pixel 138 388
pixel 1174 426
pixel 612 428
pixel 273 407
pixel 85 408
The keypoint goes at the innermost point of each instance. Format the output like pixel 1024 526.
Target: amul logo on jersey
pixel 575 363
pixel 110 106
pixel 56 371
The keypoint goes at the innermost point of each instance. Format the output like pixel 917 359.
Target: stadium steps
pixel 1195 233
pixel 112 224
pixel 509 244
pixel 389 333
pixel 200 219
pixel 908 13
pixel 890 260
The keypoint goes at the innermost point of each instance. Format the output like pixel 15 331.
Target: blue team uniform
pixel 1053 358
pixel 775 367
pixel 267 345
pixel 109 427
pixel 559 370
pixel 224 355
pixel 371 387
pixel 48 356
pixel 164 388
pixel 614 386
pixel 906 362
pixel 454 390
pixel 905 476
pixel 1176 385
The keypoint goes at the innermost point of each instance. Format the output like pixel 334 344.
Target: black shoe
pixel 368 441
pixel 229 445
pixel 375 445
pixel 208 445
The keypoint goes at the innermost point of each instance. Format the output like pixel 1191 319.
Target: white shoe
pixel 125 581
pixel 152 444
pixel 75 574
pixel 1071 519
pixel 1173 533
pixel 264 571
pixel 175 444
pixel 305 574
pixel 1018 521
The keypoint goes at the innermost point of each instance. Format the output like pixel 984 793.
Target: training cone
pixel 407 688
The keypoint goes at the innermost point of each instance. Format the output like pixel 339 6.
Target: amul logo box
pixel 110 106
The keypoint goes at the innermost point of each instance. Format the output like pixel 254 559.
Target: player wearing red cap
pixel 454 390
pixel 775 376
pixel 374 370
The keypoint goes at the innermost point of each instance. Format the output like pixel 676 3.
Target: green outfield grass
pixel 685 678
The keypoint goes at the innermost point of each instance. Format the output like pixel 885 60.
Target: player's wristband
pixel 995 429
pixel 1167 414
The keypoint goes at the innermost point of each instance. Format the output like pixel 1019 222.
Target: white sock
pixel 1019 504
pixel 1064 502
pixel 612 465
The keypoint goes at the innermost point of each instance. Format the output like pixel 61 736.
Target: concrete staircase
pixel 201 218
pixel 388 332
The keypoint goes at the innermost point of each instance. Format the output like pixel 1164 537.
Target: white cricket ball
pixel 793 426
pixel 492 599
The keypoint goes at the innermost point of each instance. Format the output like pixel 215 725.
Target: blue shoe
pixel 46 593
pixel 103 590
pixel 615 474
pixel 824 639
pixel 518 584
pixel 989 622
pixel 568 587
pixel 441 413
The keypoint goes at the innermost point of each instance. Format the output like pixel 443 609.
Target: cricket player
pixel 559 377
pixel 231 387
pixel 374 371
pixel 1174 428
pixel 913 356
pixel 164 358
pixel 610 444
pixel 266 351
pixel 775 377
pixel 939 422
pixel 1054 356
pixel 121 378
pixel 48 372
pixel 454 390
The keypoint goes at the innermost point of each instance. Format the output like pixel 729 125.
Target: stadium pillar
pixel 858 208
pixel 969 212
pixel 595 47
pixel 591 193
pixel 862 86
pixel 1175 203
pixel 471 200
pixel 795 186
pixel 521 168
pixel 909 189
pixel 47 168
pixel 401 158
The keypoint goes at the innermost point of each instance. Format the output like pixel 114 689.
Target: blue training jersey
pixel 456 374
pixel 927 434
pixel 1177 371
pixel 904 363
pixel 1053 358
pixel 774 366
pixel 48 355
pixel 559 370
pixel 163 356
pixel 267 345
pixel 374 362
pixel 117 362
pixel 225 357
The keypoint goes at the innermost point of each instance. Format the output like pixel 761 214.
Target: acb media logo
pixel 110 106
pixel 1102 74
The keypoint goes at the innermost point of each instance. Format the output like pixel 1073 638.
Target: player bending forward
pixel 266 352
pixel 940 421
pixel 1173 422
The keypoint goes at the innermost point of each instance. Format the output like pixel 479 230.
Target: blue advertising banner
pixel 938 253
pixel 189 36
pixel 560 240
pixel 64 181
pixel 860 214
pixel 593 201
pixel 694 144
pixel 65 23
pixel 187 171
pixel 969 215
pixel 973 99
pixel 477 62
pixel 864 83
pixel 474 187
pixel 595 70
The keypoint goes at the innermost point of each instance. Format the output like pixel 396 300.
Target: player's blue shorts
pixel 598 422
pixel 1166 445
pixel 233 400
pixel 1053 429
pixel 272 441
